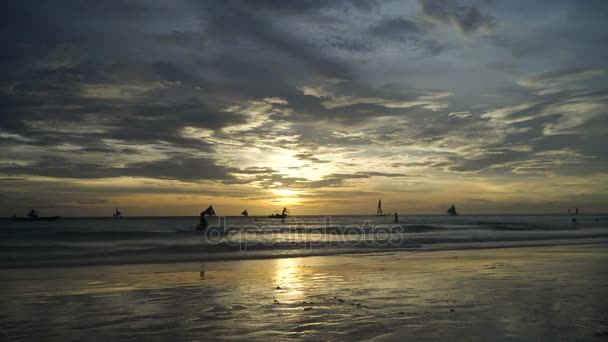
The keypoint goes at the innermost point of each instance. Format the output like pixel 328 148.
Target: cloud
pixel 565 75
pixel 316 96
pixel 186 169
pixel 340 179
pixel 429 100
pixel 466 19
pixel 310 157
pixel 564 108
pixel 555 81
pixel 409 32
pixel 396 28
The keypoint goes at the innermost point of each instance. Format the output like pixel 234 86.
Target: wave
pixel 226 249
pixel 350 230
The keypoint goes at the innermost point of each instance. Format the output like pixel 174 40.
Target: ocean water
pixel 107 241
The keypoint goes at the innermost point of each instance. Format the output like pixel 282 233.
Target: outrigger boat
pixel 117 214
pixel 34 216
pixel 282 215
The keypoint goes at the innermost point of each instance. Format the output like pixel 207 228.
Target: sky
pixel 165 107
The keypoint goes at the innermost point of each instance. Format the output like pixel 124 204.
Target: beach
pixel 504 294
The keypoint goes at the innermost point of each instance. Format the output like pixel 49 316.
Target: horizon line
pixel 311 215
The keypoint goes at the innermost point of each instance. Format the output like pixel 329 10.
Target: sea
pixel 135 240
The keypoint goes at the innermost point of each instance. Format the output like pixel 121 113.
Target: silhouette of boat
pixel 245 213
pixel 30 219
pixel 282 215
pixel 203 222
pixel 33 216
pixel 452 211
pixel 209 211
pixel 117 214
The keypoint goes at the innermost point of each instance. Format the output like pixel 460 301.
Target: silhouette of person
pixel 396 218
pixel 203 222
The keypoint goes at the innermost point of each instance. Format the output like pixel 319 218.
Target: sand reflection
pixel 289 278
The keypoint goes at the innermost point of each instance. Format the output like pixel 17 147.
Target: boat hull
pixel 34 219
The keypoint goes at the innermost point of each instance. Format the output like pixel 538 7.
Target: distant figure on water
pixel 574 219
pixel 576 211
pixel 379 210
pixel 282 215
pixel 203 222
pixel 33 213
pixel 245 213
pixel 396 218
pixel 452 211
pixel 117 214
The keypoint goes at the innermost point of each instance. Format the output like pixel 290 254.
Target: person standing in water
pixel 203 222
pixel 396 218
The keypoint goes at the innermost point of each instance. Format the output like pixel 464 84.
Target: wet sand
pixel 511 294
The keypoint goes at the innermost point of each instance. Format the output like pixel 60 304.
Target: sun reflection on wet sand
pixel 288 275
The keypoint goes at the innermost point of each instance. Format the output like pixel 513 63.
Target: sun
pixel 286 196
pixel 285 192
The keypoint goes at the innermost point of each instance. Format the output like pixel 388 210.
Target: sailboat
pixel 282 215
pixel 452 211
pixel 117 214
pixel 208 212
pixel 379 211
pixel 34 216
pixel 245 213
